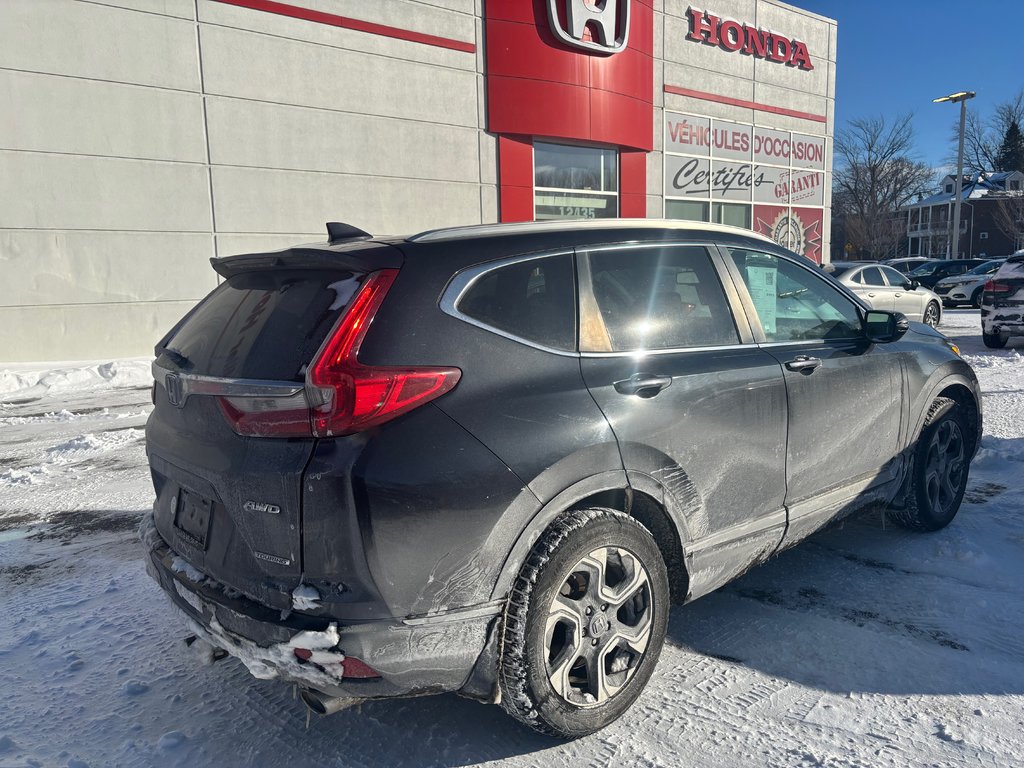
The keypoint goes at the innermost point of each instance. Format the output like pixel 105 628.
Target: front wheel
pixel 939 471
pixel 584 623
pixel 976 297
pixel 931 314
pixel 994 340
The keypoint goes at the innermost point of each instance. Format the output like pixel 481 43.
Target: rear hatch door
pixel 231 504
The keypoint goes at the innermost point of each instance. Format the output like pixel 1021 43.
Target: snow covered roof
pixel 974 187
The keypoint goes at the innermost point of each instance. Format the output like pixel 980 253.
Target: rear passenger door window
pixel 872 276
pixel 667 297
pixel 533 300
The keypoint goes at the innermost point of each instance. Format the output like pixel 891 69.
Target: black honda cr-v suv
pixel 486 459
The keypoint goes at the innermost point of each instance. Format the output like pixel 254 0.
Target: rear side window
pixel 261 325
pixel 660 298
pixel 872 276
pixel 533 300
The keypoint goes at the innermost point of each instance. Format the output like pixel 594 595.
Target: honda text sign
pixel 592 24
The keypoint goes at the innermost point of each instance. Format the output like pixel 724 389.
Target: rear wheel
pixel 931 314
pixel 994 340
pixel 939 472
pixel 584 624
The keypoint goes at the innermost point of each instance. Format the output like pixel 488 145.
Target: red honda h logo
pixel 606 20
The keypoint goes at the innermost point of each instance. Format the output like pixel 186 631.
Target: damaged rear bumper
pixel 415 655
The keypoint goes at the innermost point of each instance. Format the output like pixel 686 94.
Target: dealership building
pixel 139 138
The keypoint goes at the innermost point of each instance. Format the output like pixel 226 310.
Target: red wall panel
pixel 515 178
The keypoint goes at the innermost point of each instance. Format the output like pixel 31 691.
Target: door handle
pixel 804 364
pixel 642 385
pixel 871 295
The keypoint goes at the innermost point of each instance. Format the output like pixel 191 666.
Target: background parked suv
pixel 967 288
pixel 929 274
pixel 486 459
pixel 1002 303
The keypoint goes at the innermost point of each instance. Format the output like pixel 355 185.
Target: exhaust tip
pixel 322 704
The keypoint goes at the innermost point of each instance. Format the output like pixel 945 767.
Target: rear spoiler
pixel 347 248
pixel 366 259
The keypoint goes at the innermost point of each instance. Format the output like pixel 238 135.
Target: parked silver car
pixel 884 288
pixel 967 288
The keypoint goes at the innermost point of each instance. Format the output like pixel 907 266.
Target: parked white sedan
pixel 884 288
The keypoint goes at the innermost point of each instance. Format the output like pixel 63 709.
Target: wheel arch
pixel 639 496
pixel 962 392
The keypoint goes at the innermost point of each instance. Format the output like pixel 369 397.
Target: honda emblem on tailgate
pixel 175 390
pixel 608 22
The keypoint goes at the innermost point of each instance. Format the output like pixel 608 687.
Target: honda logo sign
pixel 607 21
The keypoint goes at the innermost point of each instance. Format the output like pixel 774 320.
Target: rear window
pixel 261 325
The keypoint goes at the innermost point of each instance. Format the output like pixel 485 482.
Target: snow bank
pixel 31 381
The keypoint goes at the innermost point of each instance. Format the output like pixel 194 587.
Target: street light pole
pixel 961 97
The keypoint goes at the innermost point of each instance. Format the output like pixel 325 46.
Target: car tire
pixel 939 470
pixel 931 315
pixel 584 623
pixel 995 340
pixel 976 297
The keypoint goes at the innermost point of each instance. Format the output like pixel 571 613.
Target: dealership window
pixel 688 210
pixel 733 214
pixel 573 182
pixel 770 180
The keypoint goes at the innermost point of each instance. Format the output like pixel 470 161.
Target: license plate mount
pixel 192 518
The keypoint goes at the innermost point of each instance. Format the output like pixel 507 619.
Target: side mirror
pixel 911 285
pixel 883 327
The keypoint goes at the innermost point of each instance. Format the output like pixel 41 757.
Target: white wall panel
pixel 263 135
pixel 44 191
pixel 411 16
pixel 183 9
pixel 86 331
pixel 99 42
pixel 250 200
pixel 265 68
pixel 65 114
pixel 47 267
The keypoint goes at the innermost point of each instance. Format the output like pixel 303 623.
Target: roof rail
pixel 338 232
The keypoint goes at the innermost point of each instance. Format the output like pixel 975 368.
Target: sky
pixel 896 56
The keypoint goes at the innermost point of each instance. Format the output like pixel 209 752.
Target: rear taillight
pixel 993 287
pixel 342 395
pixel 347 396
pixel 268 416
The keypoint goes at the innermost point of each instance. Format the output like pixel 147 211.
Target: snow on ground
pixel 866 645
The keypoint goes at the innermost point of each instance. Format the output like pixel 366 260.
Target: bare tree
pixel 982 138
pixel 876 175
pixel 1009 216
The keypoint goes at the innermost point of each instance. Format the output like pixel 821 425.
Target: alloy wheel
pixel 931 315
pixel 944 466
pixel 598 626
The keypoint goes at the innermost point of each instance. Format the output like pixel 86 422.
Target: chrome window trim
pixel 196 384
pixel 467 278
pixel 670 351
